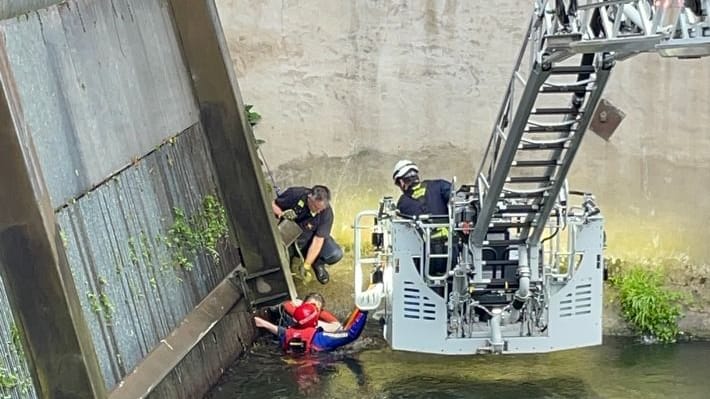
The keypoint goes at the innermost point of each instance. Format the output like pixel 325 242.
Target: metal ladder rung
pixel 538 190
pixel 518 209
pixel 550 141
pixel 500 262
pixel 573 88
pixel 523 195
pixel 583 82
pixel 572 70
pixel 552 125
pixel 548 129
pixel 510 225
pixel 528 179
pixel 543 146
pixel 503 242
pixel 534 163
pixel 556 111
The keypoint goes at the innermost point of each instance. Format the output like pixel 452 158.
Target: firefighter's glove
pixel 289 214
pixel 307 273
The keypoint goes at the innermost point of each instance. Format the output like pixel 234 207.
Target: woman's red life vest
pixel 299 340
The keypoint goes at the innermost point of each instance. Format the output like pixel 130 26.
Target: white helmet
pixel 404 168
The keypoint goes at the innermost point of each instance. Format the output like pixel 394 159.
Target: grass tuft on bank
pixel 647 305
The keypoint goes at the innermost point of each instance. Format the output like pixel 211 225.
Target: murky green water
pixel 620 368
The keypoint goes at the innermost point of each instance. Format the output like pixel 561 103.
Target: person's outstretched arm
pixel 270 327
pixel 328 317
pixel 324 341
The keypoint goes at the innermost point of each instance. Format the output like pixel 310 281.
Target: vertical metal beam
pixel 34 267
pixel 232 143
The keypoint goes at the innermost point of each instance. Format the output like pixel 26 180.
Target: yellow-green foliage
pixel 650 308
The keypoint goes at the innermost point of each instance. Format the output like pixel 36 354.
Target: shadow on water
pixel 454 388
pixel 621 368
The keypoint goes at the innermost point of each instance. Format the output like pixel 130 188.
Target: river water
pixel 620 368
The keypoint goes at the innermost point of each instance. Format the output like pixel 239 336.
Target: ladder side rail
pixel 578 102
pixel 494 141
pixel 594 97
pixel 502 168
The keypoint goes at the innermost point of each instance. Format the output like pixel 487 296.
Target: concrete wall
pixel 353 86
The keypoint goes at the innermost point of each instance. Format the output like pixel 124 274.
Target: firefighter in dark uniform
pixel 428 197
pixel 310 209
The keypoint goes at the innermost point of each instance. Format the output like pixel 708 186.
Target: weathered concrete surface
pixel 333 79
pixel 13 8
pixel 91 75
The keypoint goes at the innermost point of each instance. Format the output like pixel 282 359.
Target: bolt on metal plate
pixel 606 119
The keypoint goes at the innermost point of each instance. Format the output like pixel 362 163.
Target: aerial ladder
pixel 524 268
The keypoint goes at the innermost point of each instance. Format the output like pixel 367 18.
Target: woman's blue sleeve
pixel 324 341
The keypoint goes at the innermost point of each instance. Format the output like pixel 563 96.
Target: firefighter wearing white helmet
pixel 404 168
pixel 427 197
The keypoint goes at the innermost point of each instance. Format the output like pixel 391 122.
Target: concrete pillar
pixel 34 267
pixel 232 145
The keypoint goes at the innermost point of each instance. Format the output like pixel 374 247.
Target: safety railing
pixel 367 298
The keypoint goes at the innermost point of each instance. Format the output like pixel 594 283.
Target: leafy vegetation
pixel 650 308
pixel 101 304
pixel 252 116
pixel 202 231
pixel 10 380
pixel 16 340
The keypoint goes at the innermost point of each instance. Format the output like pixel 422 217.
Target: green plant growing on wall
pixel 101 304
pixel 65 240
pixel 182 239
pixel 8 380
pixel 106 305
pixel 213 225
pixel 94 303
pixel 252 116
pixel 145 247
pixel 200 232
pixel 132 253
pixel 650 308
pixel 16 340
